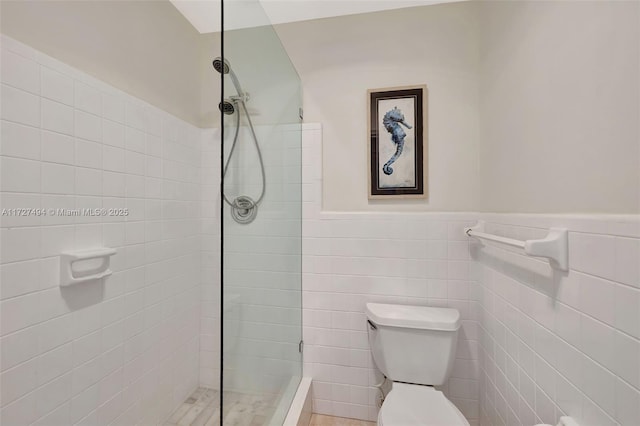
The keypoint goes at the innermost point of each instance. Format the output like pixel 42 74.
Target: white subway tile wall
pixel 210 270
pixel 263 292
pixel 350 259
pixel 121 351
pixel 554 343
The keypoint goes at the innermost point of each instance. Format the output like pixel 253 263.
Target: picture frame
pixel 397 146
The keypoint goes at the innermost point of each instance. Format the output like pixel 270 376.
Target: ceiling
pixel 204 15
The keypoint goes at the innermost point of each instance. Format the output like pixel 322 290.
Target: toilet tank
pixel 413 344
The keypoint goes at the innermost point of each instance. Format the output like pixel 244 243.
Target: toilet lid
pixel 415 405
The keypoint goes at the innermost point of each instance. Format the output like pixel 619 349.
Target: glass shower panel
pixel 261 236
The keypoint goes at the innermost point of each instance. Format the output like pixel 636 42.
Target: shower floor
pixel 202 409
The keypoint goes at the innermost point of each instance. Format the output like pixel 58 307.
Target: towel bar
pixel 555 246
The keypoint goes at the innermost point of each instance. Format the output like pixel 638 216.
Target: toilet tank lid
pixel 422 317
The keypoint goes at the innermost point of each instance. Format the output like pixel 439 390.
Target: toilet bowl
pixel 564 421
pixel 414 346
pixel 417 405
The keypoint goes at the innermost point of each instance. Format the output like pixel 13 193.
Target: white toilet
pixel 414 346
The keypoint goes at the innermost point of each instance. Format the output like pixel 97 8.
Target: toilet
pixel 414 346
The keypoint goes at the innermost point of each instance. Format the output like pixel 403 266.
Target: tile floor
pixel 322 420
pixel 202 409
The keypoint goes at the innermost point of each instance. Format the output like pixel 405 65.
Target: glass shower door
pixel 261 220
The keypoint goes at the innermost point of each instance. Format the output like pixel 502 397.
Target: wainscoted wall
pixel 350 259
pixel 535 344
pixel 561 343
pixel 120 351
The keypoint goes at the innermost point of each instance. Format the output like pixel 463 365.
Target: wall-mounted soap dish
pixel 69 276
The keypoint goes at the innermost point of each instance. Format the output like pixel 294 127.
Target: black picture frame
pixel 389 135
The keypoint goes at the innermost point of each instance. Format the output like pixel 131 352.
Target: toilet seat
pixel 416 405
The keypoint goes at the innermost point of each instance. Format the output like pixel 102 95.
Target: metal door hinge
pixel 301 346
pixel 301 113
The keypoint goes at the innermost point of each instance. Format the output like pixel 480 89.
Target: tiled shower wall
pixel 262 260
pixel 210 267
pixel 554 343
pixel 122 351
pixel 350 259
pixel 262 264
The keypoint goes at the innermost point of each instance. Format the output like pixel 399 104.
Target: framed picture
pixel 397 142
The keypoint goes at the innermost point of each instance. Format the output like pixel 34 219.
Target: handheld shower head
pixel 226 107
pixel 223 67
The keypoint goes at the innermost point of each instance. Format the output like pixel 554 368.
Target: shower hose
pixel 243 208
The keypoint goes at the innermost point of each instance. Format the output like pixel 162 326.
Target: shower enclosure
pixel 179 300
pixel 261 213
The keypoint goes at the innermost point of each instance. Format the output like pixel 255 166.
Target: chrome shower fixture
pixel 243 208
pixel 223 67
pixel 226 107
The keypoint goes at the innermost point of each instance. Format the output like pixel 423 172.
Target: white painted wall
pixel 145 48
pixel 560 107
pixel 265 72
pixel 122 350
pixel 533 106
pixel 338 59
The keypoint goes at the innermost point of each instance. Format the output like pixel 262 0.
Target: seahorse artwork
pixel 391 121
